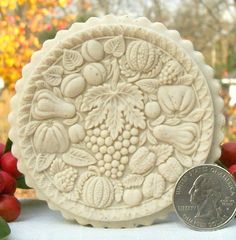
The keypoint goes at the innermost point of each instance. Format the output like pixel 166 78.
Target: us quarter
pixel 205 197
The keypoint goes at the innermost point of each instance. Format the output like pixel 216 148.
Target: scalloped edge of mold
pixel 48 45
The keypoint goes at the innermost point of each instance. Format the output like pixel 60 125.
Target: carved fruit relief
pixel 154 185
pixel 51 137
pixel 176 100
pixel 47 106
pixel 141 56
pixel 73 85
pixel 98 192
pixel 110 122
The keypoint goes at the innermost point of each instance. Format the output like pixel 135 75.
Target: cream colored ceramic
pixel 109 114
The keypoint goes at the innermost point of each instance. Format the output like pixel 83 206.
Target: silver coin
pixel 205 197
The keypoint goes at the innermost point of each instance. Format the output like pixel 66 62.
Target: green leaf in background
pixel 8 146
pixel 20 183
pixel 4 229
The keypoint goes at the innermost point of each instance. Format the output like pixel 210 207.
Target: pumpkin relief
pixel 98 192
pixel 51 137
pixel 141 56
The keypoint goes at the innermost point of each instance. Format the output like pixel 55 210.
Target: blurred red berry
pixel 2 147
pixel 228 154
pixel 8 163
pixel 10 183
pixel 232 170
pixel 10 207
pixel 2 184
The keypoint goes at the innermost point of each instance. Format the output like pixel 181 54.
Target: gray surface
pixel 37 222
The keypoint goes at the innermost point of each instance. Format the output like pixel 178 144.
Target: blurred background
pixel 209 24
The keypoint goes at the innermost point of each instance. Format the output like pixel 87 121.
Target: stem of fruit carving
pixel 115 74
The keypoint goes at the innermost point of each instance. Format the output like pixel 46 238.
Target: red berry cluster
pixel 228 157
pixel 9 206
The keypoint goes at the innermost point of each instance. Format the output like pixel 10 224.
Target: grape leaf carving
pixel 195 116
pixel 133 180
pixel 96 117
pixel 53 75
pixel 115 46
pixel 150 97
pixel 185 160
pixel 94 97
pixel 163 152
pixel 119 190
pixel 71 59
pixel 57 92
pixel 114 121
pixel 158 121
pixel 31 127
pixel 71 121
pixel 147 136
pixel 73 196
pixel 25 108
pixel 23 119
pixel 78 158
pixel 151 138
pixel 82 179
pixel 148 85
pixel 43 161
pixel 143 138
pixel 131 95
pixel 135 116
pixel 125 101
pixel 57 166
pixel 42 84
pixel 115 73
pixel 186 79
pixel 173 121
pixel 78 102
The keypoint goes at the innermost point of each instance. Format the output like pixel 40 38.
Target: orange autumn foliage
pixel 21 21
